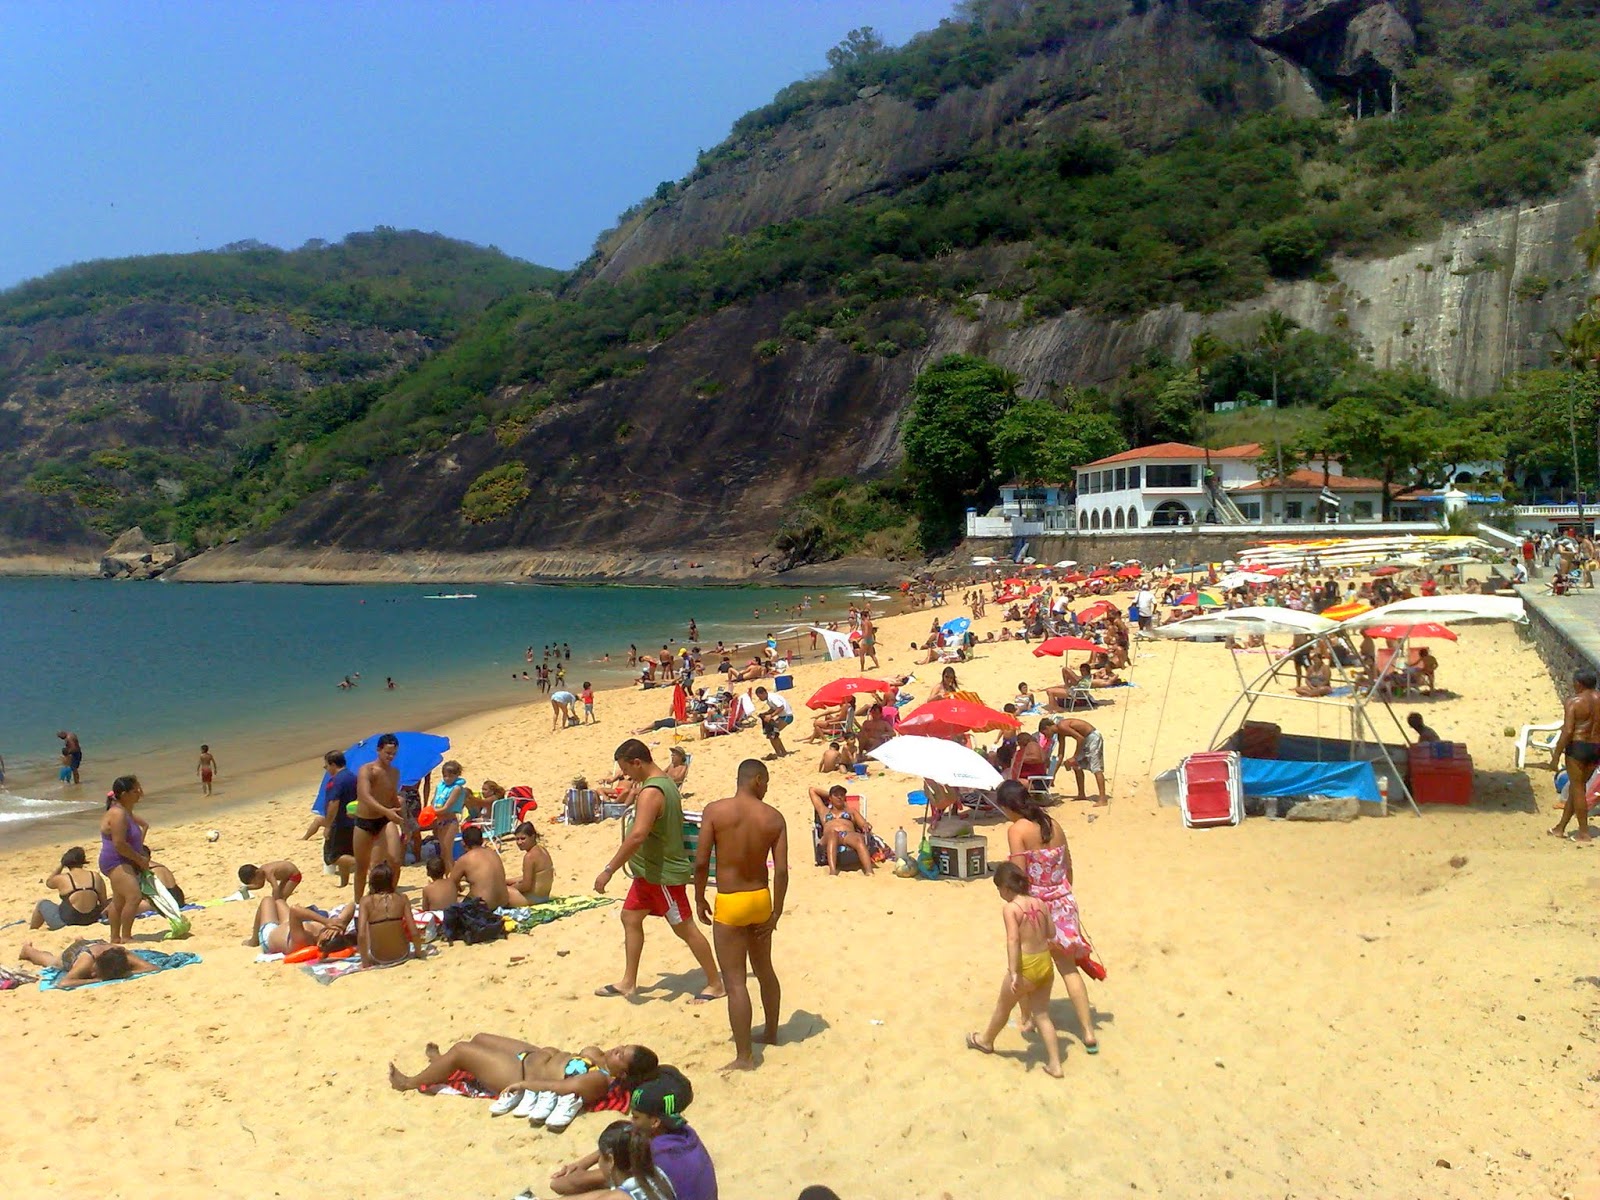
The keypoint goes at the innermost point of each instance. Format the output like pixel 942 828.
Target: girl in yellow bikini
pixel 1030 973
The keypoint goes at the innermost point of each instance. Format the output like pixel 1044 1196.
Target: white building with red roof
pixel 1175 484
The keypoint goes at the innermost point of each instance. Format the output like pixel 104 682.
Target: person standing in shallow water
pixel 72 751
pixel 206 769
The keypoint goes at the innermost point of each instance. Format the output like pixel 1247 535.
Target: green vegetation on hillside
pixel 1501 105
pixel 388 278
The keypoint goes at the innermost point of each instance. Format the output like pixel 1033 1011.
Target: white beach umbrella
pixel 1067 562
pixel 936 759
pixel 1443 610
pixel 1241 622
pixel 1240 578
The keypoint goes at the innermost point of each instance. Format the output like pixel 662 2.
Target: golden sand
pixel 1391 1008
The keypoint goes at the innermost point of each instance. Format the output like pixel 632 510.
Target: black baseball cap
pixel 665 1096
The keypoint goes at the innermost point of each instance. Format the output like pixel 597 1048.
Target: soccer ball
pixel 212 835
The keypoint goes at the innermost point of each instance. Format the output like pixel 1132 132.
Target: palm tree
pixel 1272 339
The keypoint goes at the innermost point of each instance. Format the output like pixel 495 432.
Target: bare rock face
pixel 1140 78
pixel 1348 43
pixel 132 556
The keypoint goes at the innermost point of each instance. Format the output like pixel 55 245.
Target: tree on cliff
pixel 957 403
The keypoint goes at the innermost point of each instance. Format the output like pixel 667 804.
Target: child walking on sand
pixel 1029 974
pixel 588 703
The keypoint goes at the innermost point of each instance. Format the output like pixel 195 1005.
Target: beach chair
pixel 1209 790
pixel 1542 738
pixel 1080 695
pixel 501 823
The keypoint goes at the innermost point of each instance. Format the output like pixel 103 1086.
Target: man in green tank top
pixel 662 869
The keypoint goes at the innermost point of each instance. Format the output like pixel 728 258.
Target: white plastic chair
pixel 1537 737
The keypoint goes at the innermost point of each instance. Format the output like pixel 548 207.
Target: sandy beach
pixel 1389 1008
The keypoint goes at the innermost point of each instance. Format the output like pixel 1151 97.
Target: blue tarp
pixel 1277 777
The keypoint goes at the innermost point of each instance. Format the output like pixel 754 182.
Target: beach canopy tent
pixel 1285 777
pixel 418 755
pixel 949 763
pixel 1355 700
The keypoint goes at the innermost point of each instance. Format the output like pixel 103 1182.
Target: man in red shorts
pixel 662 869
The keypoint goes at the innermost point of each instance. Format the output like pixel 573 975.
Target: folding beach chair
pixel 501 822
pixel 1209 790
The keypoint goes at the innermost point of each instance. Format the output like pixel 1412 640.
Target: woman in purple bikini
pixel 123 857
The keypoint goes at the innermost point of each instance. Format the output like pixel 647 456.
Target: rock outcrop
pixel 1349 43
pixel 131 556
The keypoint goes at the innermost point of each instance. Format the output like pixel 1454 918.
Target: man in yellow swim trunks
pixel 742 832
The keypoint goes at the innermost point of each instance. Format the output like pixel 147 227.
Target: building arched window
pixel 1171 512
pixel 1116 518
pixel 1094 519
pixel 1133 517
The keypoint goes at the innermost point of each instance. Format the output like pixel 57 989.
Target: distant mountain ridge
pixel 1072 188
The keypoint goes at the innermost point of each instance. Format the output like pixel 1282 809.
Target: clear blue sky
pixel 134 128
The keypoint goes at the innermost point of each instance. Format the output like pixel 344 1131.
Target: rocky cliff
pixel 1145 78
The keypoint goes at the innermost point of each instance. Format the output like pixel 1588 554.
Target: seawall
pixel 1566 632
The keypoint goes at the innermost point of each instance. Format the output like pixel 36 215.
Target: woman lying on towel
pixel 282 928
pixel 86 962
pixel 545 1084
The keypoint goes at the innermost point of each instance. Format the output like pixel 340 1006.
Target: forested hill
pixel 130 387
pixel 1073 189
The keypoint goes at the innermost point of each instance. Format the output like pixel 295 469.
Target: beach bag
pixel 473 922
pixel 583 808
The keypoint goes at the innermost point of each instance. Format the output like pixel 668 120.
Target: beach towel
pixel 163 962
pixel 553 909
pixel 330 969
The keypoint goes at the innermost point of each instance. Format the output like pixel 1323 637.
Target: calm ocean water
pixel 144 673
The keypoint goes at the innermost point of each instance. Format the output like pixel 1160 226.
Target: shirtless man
pixel 1088 752
pixel 742 831
pixel 484 873
pixel 875 730
pixel 867 645
pixel 379 818
pixel 538 872
pixel 1580 742
pixel 73 750
pixel 841 827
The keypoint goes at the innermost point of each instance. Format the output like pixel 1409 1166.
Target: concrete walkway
pixel 1566 629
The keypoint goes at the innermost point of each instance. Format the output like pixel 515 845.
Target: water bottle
pixel 900 844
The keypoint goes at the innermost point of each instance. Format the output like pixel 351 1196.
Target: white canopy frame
pixel 1358 703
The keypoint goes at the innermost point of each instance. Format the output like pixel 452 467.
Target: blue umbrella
pixel 957 626
pixel 419 754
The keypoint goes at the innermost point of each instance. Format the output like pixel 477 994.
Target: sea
pixel 144 673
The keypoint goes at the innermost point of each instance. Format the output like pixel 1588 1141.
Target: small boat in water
pixel 453 596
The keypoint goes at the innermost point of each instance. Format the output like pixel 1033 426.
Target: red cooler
pixel 1441 773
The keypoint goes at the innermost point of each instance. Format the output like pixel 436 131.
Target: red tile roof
pixel 1176 450
pixel 1307 480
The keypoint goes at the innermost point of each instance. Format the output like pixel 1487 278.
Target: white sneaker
pixel 506 1101
pixel 566 1109
pixel 541 1111
pixel 530 1101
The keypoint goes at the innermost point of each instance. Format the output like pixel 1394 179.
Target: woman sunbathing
pixel 539 1082
pixel 385 931
pixel 82 894
pixel 86 962
pixel 282 928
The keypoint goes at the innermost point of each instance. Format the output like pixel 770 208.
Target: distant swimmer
pixel 207 769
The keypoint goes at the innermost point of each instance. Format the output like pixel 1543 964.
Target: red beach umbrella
pixel 1075 577
pixel 839 690
pixel 1058 646
pixel 1100 573
pixel 1423 629
pixel 1095 611
pixel 1130 572
pixel 1386 571
pixel 950 718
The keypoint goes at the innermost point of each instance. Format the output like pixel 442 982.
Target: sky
pixel 138 128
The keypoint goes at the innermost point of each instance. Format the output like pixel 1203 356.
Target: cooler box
pixel 960 857
pixel 1441 773
pixel 783 682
